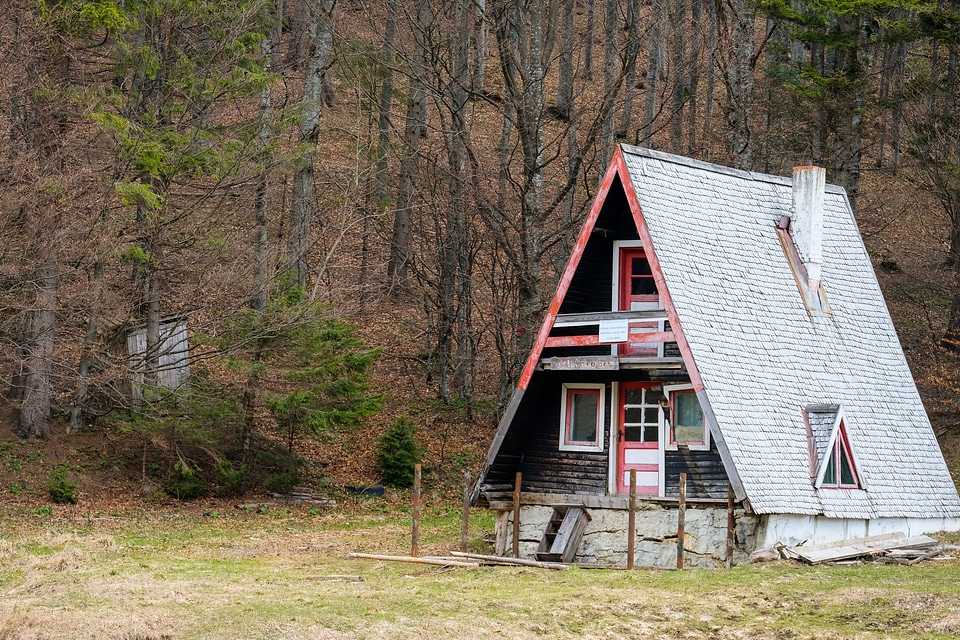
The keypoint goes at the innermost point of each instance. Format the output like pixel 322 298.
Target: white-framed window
pixel 687 425
pixel 581 417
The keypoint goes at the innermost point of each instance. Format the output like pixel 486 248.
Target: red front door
pixel 639 443
pixel 638 292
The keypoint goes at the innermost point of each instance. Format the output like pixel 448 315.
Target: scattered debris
pixel 295 497
pixel 444 562
pixel 337 578
pixel 498 560
pixel 893 548
pixel 374 490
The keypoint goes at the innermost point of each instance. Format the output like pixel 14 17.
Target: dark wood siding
pixel 591 288
pixel 532 447
pixel 706 477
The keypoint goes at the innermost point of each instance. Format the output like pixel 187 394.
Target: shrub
pixel 62 490
pixel 231 477
pixel 281 482
pixel 398 453
pixel 187 486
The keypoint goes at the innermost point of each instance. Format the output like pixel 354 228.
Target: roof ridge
pixel 754 176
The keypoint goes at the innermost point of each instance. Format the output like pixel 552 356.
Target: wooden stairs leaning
pixel 562 535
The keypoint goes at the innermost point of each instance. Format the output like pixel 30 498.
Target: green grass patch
pixel 286 575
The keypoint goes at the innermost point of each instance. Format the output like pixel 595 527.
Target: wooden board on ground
pixel 858 548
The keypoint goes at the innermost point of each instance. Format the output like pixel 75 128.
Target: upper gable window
pixel 581 417
pixel 840 472
pixel 833 459
pixel 687 425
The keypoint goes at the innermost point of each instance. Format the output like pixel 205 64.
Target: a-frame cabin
pixel 726 325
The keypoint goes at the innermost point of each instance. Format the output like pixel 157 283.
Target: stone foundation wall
pixel 605 538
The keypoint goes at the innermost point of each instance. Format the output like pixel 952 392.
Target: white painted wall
pixel 794 529
pixel 605 537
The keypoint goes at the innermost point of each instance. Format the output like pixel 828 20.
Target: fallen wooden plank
pixel 619 567
pixel 434 561
pixel 929 554
pixel 510 561
pixel 337 578
pixel 859 548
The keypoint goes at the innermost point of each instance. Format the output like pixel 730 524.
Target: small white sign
pixel 585 363
pixel 614 331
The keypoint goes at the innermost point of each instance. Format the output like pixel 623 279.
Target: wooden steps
pixel 562 534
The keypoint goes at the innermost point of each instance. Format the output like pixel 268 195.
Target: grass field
pixel 284 574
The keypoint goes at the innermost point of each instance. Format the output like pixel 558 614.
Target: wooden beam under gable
pixel 593 340
pixel 616 168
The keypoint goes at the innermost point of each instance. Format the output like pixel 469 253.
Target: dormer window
pixel 840 472
pixel 832 463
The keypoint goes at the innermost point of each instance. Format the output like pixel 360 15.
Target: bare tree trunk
pixel 465 370
pixel 455 260
pixel 693 74
pixel 261 242
pixel 739 78
pixel 678 73
pixel 632 29
pixel 564 101
pixel 88 362
pixel 611 76
pixel 712 44
pixel 848 151
pixel 34 131
pixel 525 44
pixel 320 30
pixel 33 417
pixel 479 47
pixel 415 129
pixel 588 40
pixel 655 64
pixel 377 196
pixel 573 165
pixel 152 359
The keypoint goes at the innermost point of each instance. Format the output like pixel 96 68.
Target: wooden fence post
pixel 465 529
pixel 516 515
pixel 681 518
pixel 415 543
pixel 731 525
pixel 632 520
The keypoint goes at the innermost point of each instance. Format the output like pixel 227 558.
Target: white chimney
pixel 807 220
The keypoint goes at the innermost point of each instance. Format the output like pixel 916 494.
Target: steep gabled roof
pixel 763 357
pixel 755 353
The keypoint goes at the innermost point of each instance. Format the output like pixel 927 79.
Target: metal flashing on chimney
pixel 801 235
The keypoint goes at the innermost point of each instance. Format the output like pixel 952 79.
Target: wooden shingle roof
pixel 763 357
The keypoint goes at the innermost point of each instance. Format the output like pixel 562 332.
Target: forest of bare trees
pixel 210 162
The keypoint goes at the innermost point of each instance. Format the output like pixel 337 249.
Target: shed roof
pixel 763 357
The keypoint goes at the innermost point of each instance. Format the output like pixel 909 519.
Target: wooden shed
pixel 728 326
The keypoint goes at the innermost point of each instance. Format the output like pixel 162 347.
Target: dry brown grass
pixel 274 575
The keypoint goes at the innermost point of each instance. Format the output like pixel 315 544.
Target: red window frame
pixel 841 446
pixel 566 441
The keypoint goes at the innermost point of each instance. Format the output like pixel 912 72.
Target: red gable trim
pixel 651 254
pixel 616 167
